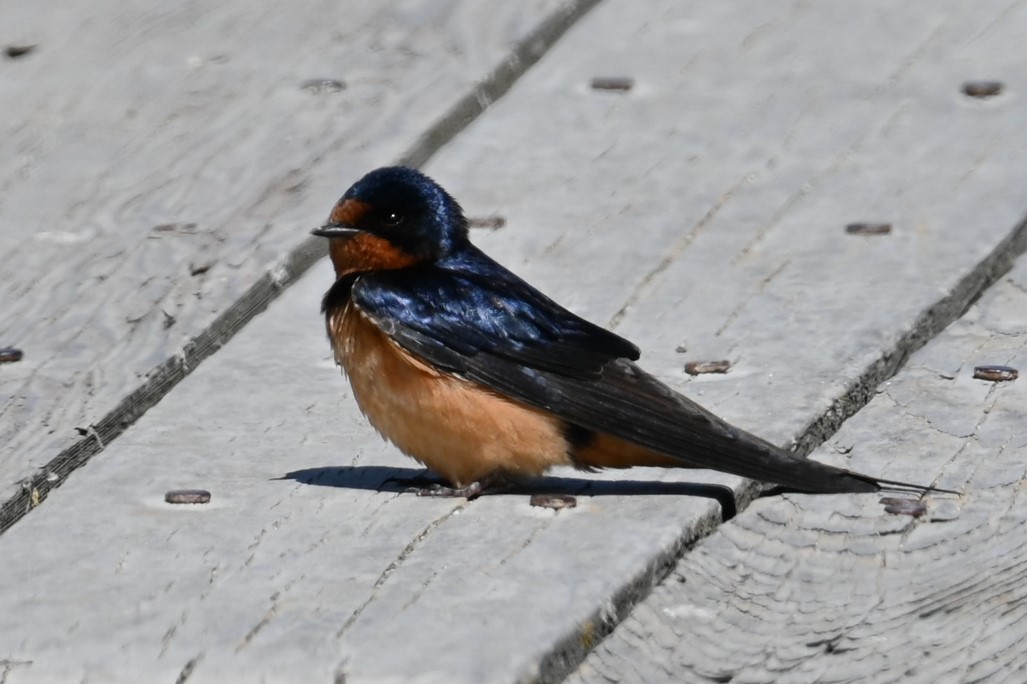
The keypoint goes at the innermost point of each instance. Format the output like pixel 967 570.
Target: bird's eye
pixel 392 219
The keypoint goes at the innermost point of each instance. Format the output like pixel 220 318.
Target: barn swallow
pixel 476 374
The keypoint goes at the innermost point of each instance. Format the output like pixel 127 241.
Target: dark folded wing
pixel 532 350
pixel 486 309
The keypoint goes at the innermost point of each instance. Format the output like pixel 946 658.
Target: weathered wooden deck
pixel 162 166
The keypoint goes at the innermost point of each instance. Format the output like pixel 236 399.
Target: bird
pixel 479 376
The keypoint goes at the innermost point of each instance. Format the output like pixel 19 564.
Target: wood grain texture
pixel 166 165
pixel 707 207
pixel 804 589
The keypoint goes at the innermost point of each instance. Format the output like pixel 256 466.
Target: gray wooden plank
pixel 164 163
pixel 649 210
pixel 803 589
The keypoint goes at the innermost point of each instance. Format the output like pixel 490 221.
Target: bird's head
pixel 392 218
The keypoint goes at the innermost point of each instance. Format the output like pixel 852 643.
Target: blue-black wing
pixel 476 307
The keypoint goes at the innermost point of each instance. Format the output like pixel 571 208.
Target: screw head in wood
pixel 615 83
pixel 187 496
pixel 900 506
pixel 996 373
pixel 703 367
pixel 554 501
pixel 982 89
pixel 868 228
pixel 322 86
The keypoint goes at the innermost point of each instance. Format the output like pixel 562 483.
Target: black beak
pixel 334 230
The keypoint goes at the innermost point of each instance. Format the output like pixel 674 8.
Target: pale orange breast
pixel 455 427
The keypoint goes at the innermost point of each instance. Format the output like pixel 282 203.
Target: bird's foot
pixel 486 485
pixel 471 491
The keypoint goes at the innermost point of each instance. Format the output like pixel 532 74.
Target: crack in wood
pixel 421 589
pixel 413 544
pixel 677 248
pixel 187 670
pixel 9 663
pixel 744 304
pixel 395 564
pixel 165 640
pixel 268 616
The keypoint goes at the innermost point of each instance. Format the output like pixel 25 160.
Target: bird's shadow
pixel 398 480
